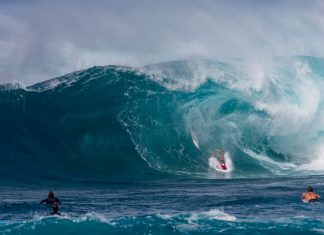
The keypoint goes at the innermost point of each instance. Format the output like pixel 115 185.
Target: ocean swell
pixel 120 121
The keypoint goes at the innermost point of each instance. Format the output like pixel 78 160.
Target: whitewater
pixel 132 144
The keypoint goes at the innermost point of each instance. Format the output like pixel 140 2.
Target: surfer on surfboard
pixel 310 196
pixel 221 159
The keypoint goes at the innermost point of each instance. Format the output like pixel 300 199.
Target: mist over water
pixel 44 39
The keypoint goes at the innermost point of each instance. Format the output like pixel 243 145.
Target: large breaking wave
pixel 119 121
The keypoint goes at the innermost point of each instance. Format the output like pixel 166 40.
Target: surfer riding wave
pixel 221 160
pixel 223 163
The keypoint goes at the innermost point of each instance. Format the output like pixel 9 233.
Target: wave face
pixel 103 121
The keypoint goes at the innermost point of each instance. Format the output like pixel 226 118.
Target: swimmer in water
pixel 310 196
pixel 51 199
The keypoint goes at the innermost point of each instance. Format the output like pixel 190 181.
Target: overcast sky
pixel 41 39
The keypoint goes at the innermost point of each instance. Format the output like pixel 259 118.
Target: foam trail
pixel 215 164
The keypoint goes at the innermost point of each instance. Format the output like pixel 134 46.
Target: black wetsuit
pixel 51 201
pixel 55 210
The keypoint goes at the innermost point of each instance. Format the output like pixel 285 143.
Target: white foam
pixel 93 216
pixel 164 216
pixel 219 215
pixel 213 214
pixel 215 164
pixel 265 161
pixel 183 75
pixel 195 217
pixel 317 164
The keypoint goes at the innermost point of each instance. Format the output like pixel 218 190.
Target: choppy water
pixel 254 206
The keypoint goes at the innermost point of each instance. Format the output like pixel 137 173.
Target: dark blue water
pixel 255 206
pixel 127 149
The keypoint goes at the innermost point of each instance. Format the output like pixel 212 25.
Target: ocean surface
pixel 127 150
pixel 174 206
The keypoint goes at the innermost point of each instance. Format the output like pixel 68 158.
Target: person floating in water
pixel 310 196
pixel 221 160
pixel 53 201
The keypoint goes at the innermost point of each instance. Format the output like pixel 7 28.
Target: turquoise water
pixel 178 206
pixel 104 136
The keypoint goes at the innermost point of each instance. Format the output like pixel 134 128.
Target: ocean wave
pixel 124 121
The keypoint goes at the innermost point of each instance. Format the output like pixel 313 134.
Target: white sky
pixel 41 39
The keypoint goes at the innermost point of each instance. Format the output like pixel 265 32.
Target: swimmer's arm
pixel 302 196
pixel 43 201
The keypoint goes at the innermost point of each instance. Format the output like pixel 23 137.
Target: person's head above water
pixel 50 194
pixel 310 189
